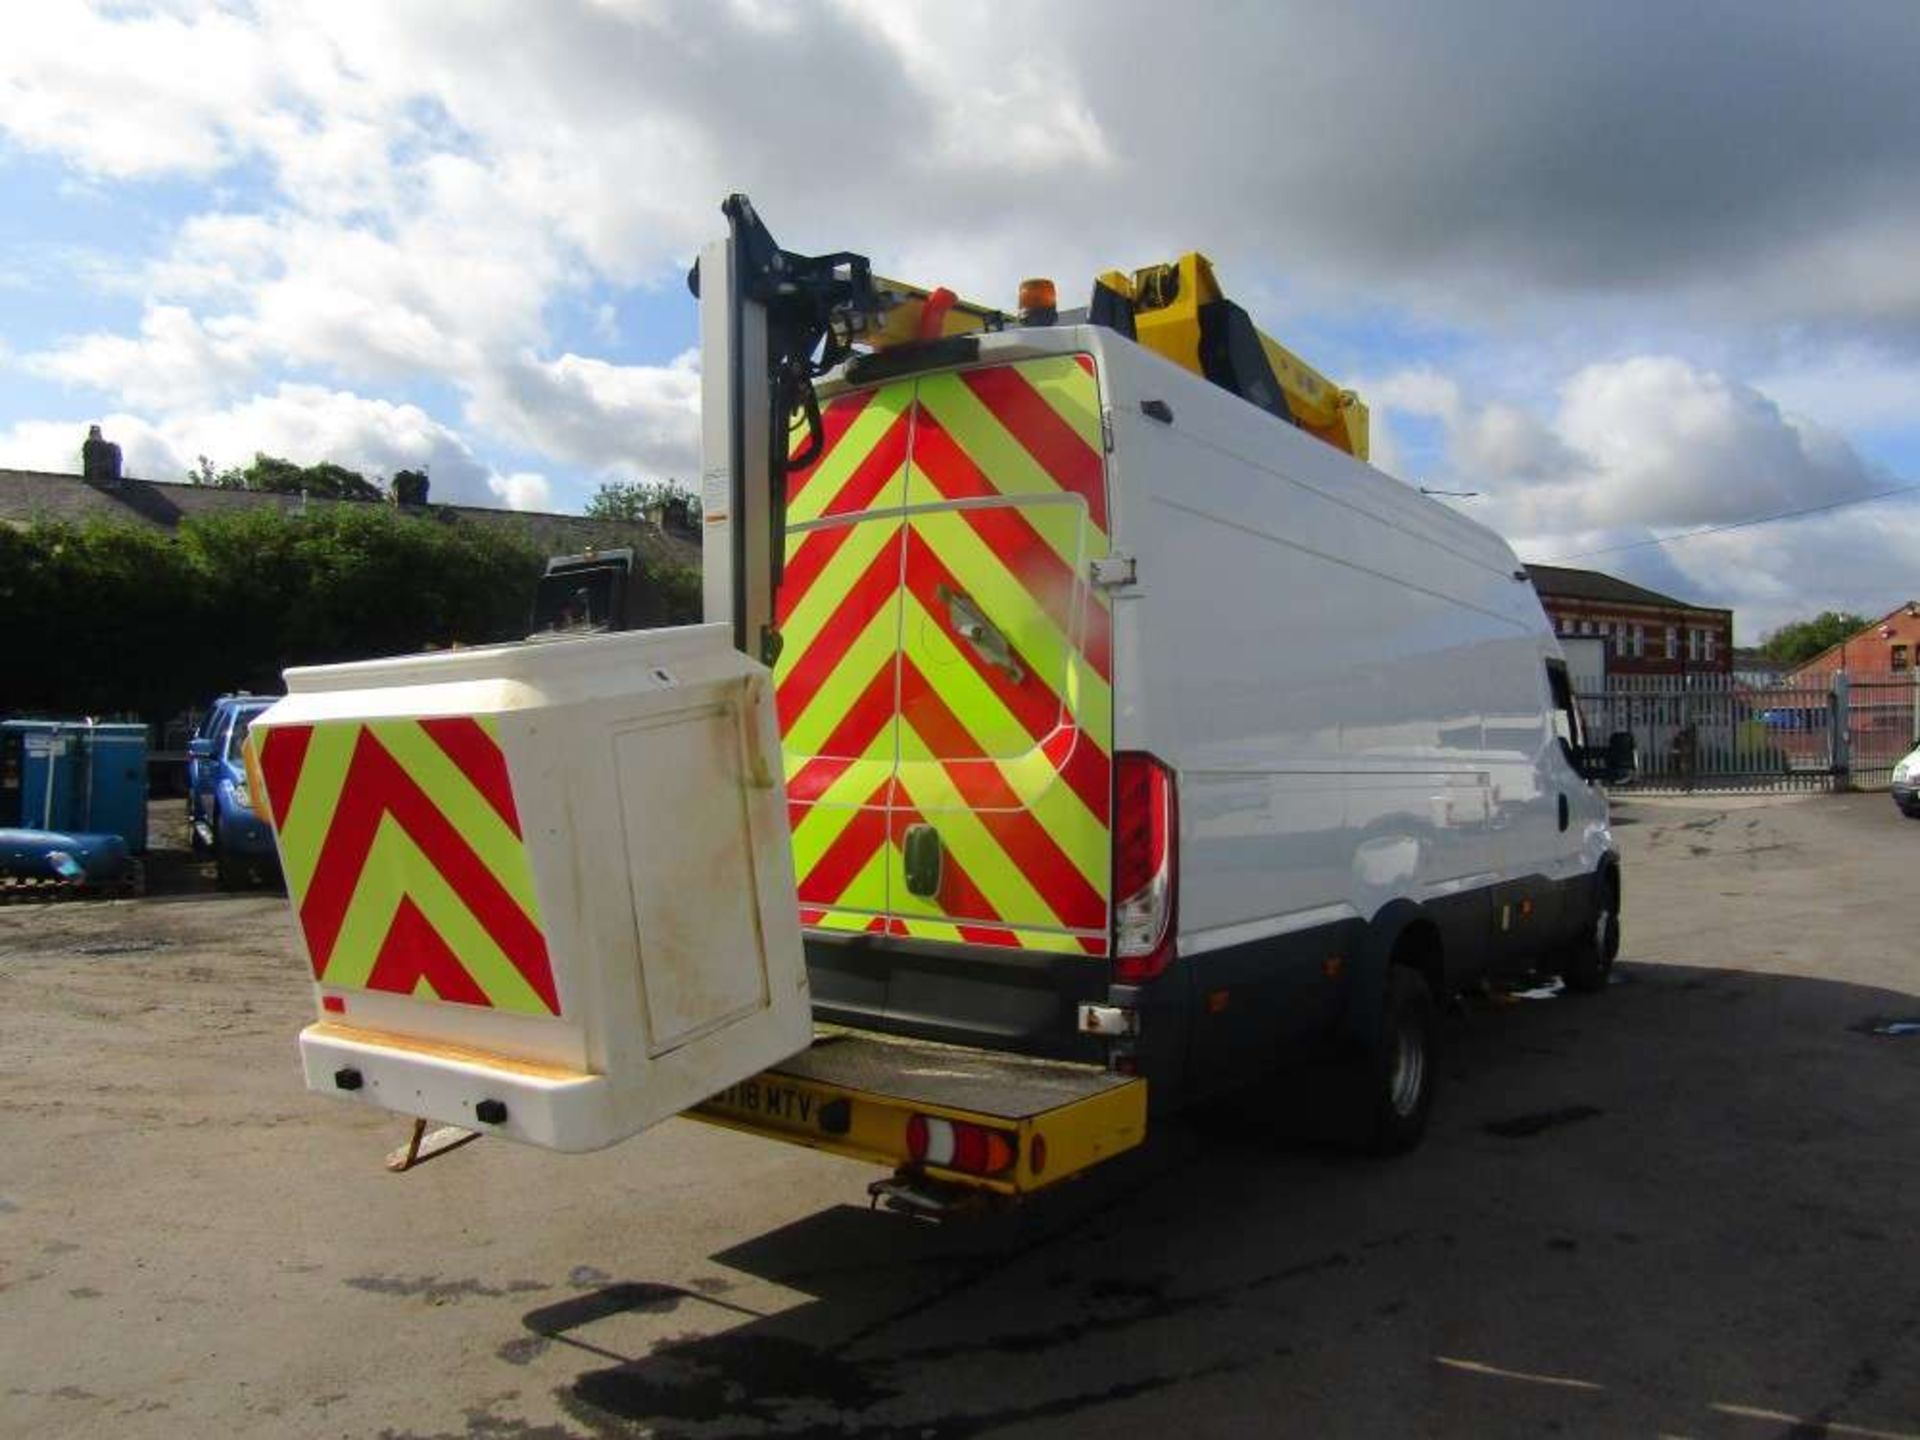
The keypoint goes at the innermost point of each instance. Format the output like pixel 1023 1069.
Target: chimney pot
pixel 99 460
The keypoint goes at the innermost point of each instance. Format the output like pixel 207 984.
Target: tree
pixel 633 499
pixel 325 481
pixel 110 618
pixel 204 474
pixel 105 617
pixel 1801 640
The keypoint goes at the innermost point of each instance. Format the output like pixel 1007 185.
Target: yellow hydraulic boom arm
pixel 1177 310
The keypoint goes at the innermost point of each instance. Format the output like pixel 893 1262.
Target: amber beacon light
pixel 1038 302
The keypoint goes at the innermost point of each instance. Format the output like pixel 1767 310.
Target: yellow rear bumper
pixel 854 1093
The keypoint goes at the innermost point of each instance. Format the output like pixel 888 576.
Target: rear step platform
pixel 980 1120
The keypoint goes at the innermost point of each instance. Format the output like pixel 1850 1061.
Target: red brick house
pixel 1889 646
pixel 1647 633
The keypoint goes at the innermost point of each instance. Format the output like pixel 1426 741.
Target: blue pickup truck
pixel 221 813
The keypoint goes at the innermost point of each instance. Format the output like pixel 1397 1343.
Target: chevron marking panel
pixel 938 508
pixel 405 862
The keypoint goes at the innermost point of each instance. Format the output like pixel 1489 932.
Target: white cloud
pixel 522 490
pixel 133 95
pixel 1665 443
pixel 1652 446
pixel 1502 439
pixel 439 296
pixel 1423 391
pixel 1854 386
pixel 310 423
pixel 1648 441
pixel 178 359
pixel 402 191
pixel 1493 438
pixel 302 423
pixel 1570 161
pixel 1005 109
pixel 599 416
pixel 54 446
pixel 1859 559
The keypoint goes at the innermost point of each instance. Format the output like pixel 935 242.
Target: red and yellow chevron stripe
pixel 981 492
pixel 403 855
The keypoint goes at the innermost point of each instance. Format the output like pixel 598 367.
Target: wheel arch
pixel 1401 933
pixel 1421 949
pixel 1607 881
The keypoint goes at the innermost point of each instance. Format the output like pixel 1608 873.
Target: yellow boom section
pixel 903 309
pixel 1180 311
pixel 1177 310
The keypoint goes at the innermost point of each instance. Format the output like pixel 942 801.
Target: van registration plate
pixel 769 1101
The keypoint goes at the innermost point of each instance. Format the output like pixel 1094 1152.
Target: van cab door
pixel 1576 801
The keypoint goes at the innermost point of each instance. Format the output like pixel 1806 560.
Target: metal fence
pixel 1716 732
pixel 1884 724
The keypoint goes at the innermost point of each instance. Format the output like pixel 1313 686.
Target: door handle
pixel 923 854
pixel 971 624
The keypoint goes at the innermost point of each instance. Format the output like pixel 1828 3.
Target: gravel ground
pixel 1687 1207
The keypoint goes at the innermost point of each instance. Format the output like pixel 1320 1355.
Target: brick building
pixel 1889 646
pixel 1647 633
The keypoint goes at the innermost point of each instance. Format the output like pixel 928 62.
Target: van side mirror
pixel 1623 757
pixel 1619 760
pixel 200 749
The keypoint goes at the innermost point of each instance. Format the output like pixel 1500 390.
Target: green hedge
pixel 107 618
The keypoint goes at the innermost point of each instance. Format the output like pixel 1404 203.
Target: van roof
pixel 1385 497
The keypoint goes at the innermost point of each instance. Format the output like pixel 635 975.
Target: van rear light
pixel 1145 825
pixel 957 1145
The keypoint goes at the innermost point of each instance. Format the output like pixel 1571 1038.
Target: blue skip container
pixel 75 777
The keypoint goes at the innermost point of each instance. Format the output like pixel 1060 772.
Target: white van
pixel 1126 723
pixel 1135 743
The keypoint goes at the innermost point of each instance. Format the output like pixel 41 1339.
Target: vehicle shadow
pixel 1686 1206
pixel 172 870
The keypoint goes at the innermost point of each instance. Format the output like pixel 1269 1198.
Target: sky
pixel 1624 271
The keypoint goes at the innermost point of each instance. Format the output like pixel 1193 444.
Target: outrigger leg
pixel 424 1145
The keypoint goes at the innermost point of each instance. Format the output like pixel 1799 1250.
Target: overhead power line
pixel 1739 524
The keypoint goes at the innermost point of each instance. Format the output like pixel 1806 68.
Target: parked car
pixel 217 714
pixel 1906 784
pixel 220 804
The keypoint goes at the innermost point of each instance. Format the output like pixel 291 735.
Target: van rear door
pixel 945 683
pixel 836 680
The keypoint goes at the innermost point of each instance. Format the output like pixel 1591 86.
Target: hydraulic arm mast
pixel 771 321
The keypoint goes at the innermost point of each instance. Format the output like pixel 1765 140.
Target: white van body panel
pixel 1348 677
pixel 1350 684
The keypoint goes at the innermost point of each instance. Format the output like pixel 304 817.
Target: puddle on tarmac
pixel 1522 1127
pixel 1895 1026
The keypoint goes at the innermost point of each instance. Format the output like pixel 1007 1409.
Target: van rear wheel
pixel 1400 1066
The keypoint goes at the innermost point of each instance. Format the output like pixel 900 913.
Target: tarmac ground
pixel 1687 1207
